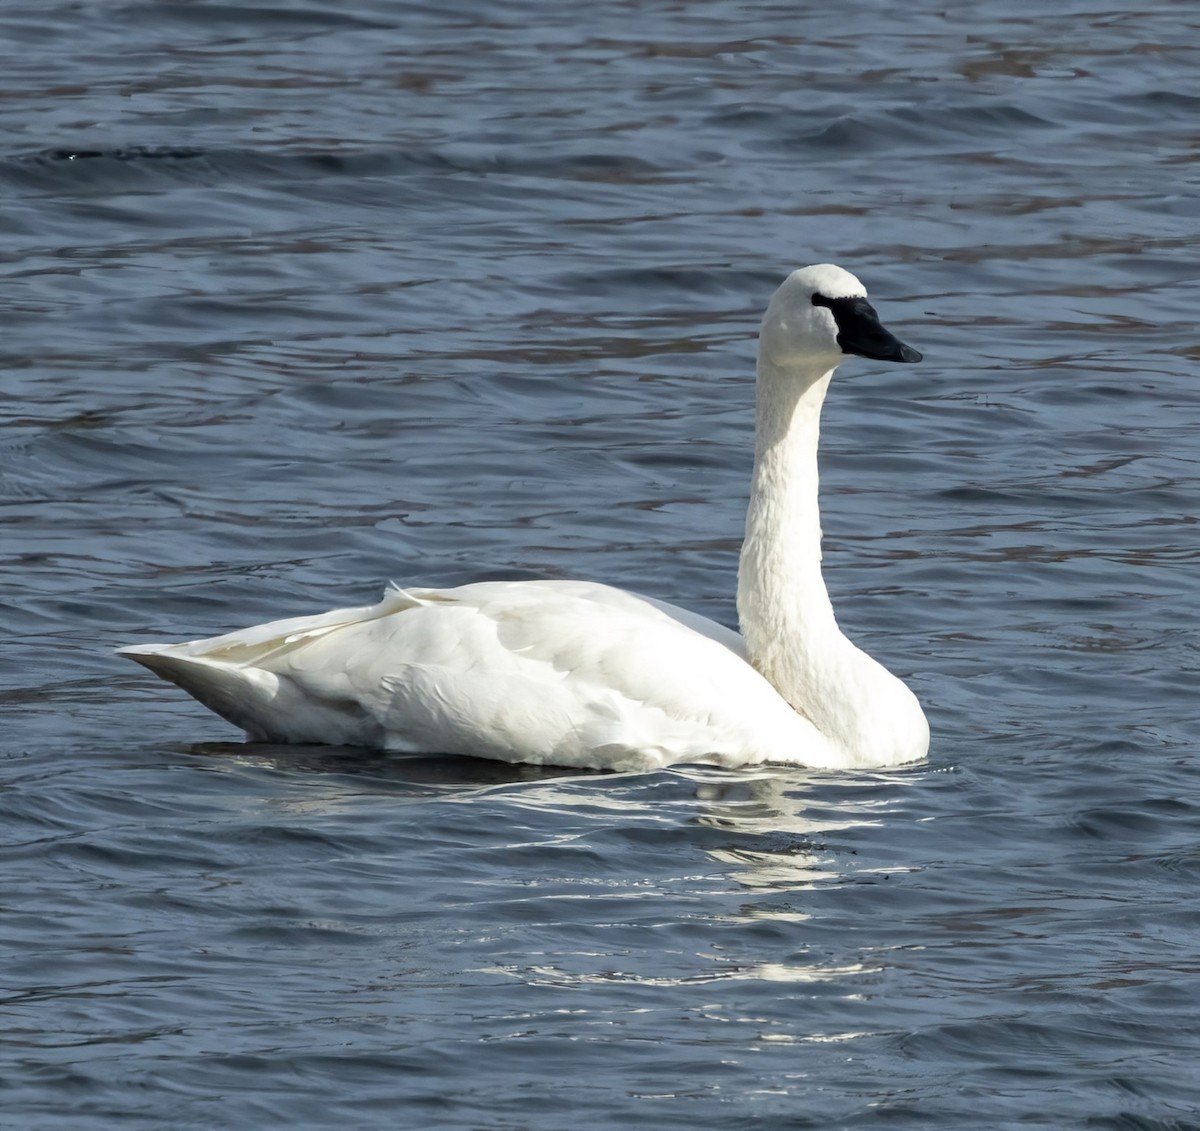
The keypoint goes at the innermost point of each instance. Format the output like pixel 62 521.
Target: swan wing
pixel 562 673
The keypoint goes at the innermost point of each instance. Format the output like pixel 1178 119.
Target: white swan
pixel 574 673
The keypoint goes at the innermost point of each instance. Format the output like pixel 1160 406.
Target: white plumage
pixel 575 673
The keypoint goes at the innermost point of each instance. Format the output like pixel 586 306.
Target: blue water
pixel 300 299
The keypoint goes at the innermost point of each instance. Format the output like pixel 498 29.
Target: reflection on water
pixel 781 831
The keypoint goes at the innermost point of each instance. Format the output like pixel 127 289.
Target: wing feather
pixel 560 672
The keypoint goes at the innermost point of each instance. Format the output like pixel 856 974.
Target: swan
pixel 584 675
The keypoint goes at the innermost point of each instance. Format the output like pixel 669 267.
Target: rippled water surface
pixel 303 297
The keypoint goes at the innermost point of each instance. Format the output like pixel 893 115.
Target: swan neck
pixel 781 555
pixel 791 634
pixel 787 620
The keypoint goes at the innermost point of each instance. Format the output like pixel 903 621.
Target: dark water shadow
pixel 422 773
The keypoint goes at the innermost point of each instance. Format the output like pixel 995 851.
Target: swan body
pixel 580 674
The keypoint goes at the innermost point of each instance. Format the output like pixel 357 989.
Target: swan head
pixel 819 316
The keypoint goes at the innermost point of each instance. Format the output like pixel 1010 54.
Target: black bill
pixel 860 331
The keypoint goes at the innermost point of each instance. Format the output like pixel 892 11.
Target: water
pixel 301 298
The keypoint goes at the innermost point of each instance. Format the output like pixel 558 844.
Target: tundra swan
pixel 580 674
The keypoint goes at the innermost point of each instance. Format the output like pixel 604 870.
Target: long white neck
pixel 786 617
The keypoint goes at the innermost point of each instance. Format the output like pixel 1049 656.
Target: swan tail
pixel 242 696
pixel 268 706
pixel 242 676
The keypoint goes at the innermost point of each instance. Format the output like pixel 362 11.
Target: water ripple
pixel 303 298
